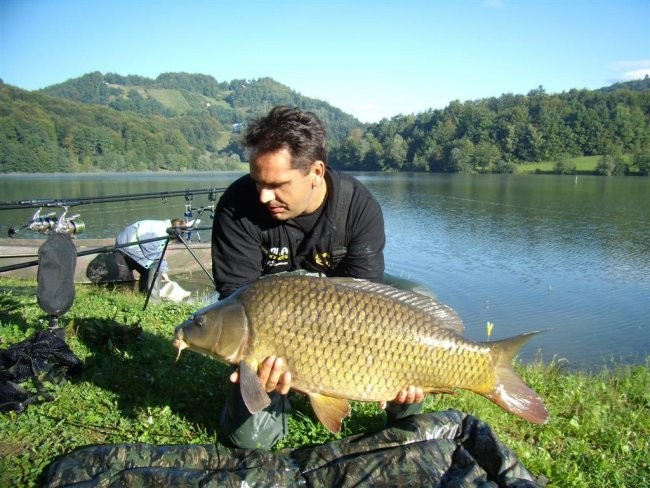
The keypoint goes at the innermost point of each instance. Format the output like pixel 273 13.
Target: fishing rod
pixel 50 224
pixel 53 202
pixel 98 250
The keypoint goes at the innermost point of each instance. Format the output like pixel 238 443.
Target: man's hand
pixel 270 374
pixel 411 394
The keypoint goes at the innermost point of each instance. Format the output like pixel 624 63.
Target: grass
pixel 132 390
pixel 172 99
pixel 583 165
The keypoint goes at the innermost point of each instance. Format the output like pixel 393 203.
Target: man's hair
pixel 178 223
pixel 301 133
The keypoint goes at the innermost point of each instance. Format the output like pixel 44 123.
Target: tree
pixel 505 167
pixel 350 154
pixel 395 153
pixel 373 158
pixel 485 156
pixel 641 160
pixel 611 164
pixel 563 166
pixel 461 156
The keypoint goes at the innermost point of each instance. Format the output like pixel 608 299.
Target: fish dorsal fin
pixel 252 391
pixel 329 410
pixel 447 318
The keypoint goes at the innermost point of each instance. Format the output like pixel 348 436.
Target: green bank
pixel 132 389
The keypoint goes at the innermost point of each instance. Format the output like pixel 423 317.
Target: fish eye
pixel 198 321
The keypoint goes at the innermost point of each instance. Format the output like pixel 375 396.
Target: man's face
pixel 286 192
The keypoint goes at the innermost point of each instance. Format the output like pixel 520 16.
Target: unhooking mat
pixel 443 449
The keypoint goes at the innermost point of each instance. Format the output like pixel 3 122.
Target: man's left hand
pixel 412 394
pixel 271 375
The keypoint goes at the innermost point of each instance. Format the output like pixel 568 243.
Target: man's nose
pixel 266 195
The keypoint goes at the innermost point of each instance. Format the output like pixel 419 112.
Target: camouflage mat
pixel 440 449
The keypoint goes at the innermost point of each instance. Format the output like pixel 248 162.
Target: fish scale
pixel 369 325
pixel 345 339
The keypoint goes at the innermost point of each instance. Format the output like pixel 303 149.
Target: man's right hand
pixel 270 373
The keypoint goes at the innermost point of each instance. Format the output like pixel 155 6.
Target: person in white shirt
pixel 143 257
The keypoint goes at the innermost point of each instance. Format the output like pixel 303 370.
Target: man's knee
pixel 261 430
pixel 398 411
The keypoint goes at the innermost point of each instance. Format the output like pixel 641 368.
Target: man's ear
pixel 318 173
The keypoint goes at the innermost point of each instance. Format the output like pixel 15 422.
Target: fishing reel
pixel 191 227
pixel 51 224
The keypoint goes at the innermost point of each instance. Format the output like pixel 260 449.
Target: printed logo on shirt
pixel 323 259
pixel 277 257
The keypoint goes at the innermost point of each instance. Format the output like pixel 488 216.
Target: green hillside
pixel 181 94
pixel 186 122
pixel 177 122
pixel 502 134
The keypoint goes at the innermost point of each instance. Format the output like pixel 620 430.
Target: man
pixel 290 213
pixel 144 256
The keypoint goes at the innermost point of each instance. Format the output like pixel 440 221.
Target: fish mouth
pixel 180 344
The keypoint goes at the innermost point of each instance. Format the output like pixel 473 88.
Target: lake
pixel 567 255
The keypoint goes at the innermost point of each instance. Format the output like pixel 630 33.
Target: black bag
pixel 109 267
pixel 57 260
pixel 44 357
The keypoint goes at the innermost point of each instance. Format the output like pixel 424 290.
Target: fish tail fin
pixel 510 392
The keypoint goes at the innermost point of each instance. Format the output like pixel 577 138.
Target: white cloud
pixel 636 74
pixel 631 69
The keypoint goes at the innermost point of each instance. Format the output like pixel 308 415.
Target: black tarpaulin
pixel 443 449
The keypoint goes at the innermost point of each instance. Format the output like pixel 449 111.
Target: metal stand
pixel 178 235
pixel 155 275
pixel 55 329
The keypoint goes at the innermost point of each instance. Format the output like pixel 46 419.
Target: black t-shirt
pixel 247 242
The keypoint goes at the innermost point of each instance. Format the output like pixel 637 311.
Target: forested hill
pixel 182 122
pixel 184 94
pixel 497 134
pixel 177 122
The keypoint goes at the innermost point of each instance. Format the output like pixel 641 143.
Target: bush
pixel 611 165
pixel 505 167
pixel 642 162
pixel 564 167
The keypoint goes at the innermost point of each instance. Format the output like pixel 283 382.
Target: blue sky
pixel 372 59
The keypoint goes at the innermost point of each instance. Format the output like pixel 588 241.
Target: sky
pixel 373 59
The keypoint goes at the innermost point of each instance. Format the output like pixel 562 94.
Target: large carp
pixel 346 339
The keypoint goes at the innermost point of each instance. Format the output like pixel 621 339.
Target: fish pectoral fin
pixel 252 391
pixel 329 410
